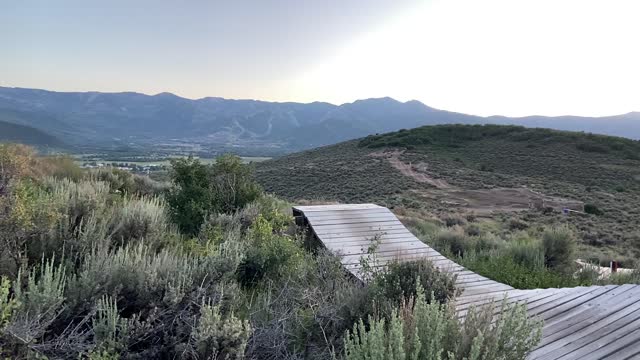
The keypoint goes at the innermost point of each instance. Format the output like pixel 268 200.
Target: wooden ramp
pixel 596 322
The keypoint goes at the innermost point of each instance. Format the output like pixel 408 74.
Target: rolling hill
pixel 10 132
pixel 94 119
pixel 492 171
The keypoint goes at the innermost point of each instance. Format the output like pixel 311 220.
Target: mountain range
pixel 95 120
pixel 10 132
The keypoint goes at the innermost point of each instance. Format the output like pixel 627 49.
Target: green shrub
pixel 488 242
pixel 526 251
pixel 268 256
pixel 143 278
pixel 218 337
pixel 517 224
pixel 452 242
pixel 233 183
pixel 306 313
pixel 39 298
pixel 135 219
pixel 454 220
pixel 63 167
pixel 473 230
pixel 398 281
pixel 559 244
pixel 28 218
pixel 110 331
pixel 8 303
pixel 505 269
pixel 120 181
pixel 145 186
pixel 424 229
pixel 419 330
pixel 592 209
pixel 198 190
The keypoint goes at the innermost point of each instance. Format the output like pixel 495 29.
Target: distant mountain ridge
pixel 15 133
pixel 102 119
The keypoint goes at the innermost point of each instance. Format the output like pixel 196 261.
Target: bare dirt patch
pixel 481 201
pixel 419 171
pixel 485 201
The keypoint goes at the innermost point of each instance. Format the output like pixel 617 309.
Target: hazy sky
pixel 485 57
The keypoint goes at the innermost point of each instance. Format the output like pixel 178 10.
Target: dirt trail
pixel 479 200
pixel 409 170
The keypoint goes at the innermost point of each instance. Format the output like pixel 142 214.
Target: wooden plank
pixel 584 327
pixel 549 313
pixel 572 343
pixel 326 215
pixel 629 352
pixel 480 300
pixel 562 326
pixel 556 298
pixel 487 288
pixel 350 228
pixel 522 295
pixel 463 280
pixel 598 346
pixel 482 283
pixel 365 221
pixel 361 240
pixel 351 215
pixel 336 207
pixel 416 254
pixel 559 303
pixel 380 249
pixel 366 235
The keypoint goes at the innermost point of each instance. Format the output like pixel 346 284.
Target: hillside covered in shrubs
pixel 103 264
pixel 509 179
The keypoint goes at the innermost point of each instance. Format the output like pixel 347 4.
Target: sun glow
pixel 497 56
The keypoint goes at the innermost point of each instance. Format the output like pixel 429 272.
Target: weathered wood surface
pixel 596 322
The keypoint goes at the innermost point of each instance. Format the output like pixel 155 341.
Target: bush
pixel 142 278
pixel 218 337
pixel 473 230
pixel 198 190
pixel 559 244
pixel 517 224
pixel 136 219
pixel 592 209
pixel 119 181
pixel 28 219
pixel 452 242
pixel 8 303
pixel 419 330
pixel 110 330
pixel 268 256
pixel 454 220
pixel 38 299
pixel 526 251
pixel 505 269
pixel 399 280
pixel 63 167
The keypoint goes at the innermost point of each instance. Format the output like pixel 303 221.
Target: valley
pixel 139 124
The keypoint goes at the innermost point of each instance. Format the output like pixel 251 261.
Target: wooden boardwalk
pixel 596 322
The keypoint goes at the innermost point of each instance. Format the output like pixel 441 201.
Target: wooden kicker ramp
pixel 595 322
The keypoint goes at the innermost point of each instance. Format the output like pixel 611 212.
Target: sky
pixel 482 57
